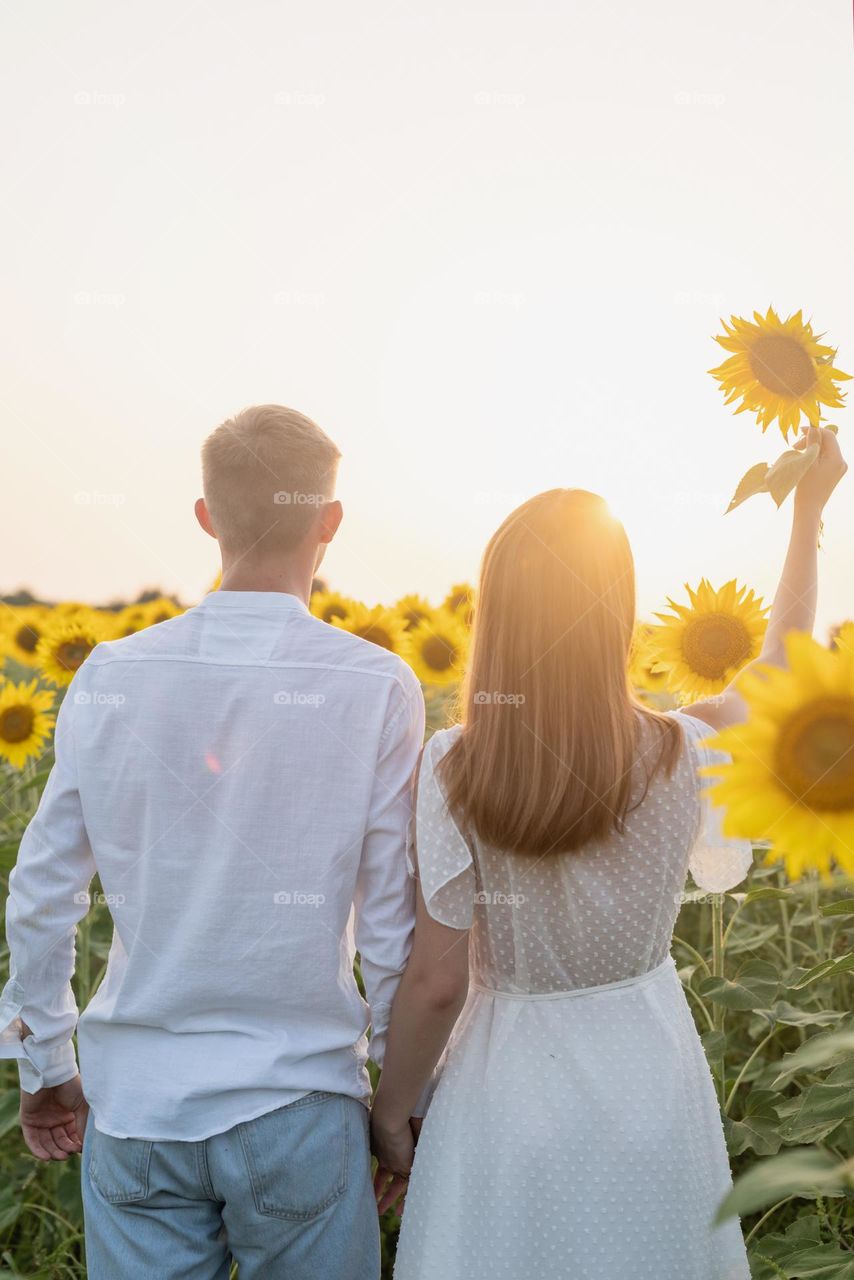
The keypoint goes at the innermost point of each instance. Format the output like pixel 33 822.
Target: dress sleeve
pixel 439 855
pixel 717 862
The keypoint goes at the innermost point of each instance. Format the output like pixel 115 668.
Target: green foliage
pixel 768 974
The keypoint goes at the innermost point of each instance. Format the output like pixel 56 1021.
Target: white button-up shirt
pixel 238 777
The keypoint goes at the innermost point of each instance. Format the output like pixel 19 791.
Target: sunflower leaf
pixel 790 467
pixel 753 481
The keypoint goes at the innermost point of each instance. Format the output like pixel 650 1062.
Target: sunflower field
pixel 767 969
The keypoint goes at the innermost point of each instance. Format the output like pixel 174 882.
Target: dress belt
pixel 641 980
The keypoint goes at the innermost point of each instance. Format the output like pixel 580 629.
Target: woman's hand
pixel 814 489
pixel 394 1147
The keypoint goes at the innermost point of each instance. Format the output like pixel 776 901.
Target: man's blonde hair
pixel 265 472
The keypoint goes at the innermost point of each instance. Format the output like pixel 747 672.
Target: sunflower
pixel 329 605
pixel 702 646
pixel 379 625
pixel 131 619
pixel 26 721
pixel 161 610
pixel 436 648
pixel 460 600
pixel 414 609
pixel 790 778
pixel 22 630
pixel 66 645
pixel 642 659
pixel 779 368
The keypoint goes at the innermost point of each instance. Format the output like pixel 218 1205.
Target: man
pixel 238 778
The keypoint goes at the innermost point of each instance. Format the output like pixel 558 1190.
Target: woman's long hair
pixel 552 730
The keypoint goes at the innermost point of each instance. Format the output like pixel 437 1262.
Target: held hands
pixel 53 1120
pixel 394 1148
pixel 816 486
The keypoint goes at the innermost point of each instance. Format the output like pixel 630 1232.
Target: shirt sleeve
pixel 717 862
pixel 385 898
pixel 48 895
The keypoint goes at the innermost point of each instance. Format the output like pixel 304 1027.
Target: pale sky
pixel 484 245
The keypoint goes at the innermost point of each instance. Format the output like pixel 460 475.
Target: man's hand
pixel 53 1121
pixel 394 1149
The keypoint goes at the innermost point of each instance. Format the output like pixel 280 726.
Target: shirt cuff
pixel 38 1067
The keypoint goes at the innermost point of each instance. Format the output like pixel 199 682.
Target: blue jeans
pixel 287 1195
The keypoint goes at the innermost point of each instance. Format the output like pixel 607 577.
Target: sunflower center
pixel 711 645
pixel 16 723
pixel 781 365
pixel 26 638
pixel 377 635
pixel 71 654
pixel 815 754
pixel 438 653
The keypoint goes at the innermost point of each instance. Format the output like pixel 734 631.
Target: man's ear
pixel 331 515
pixel 204 516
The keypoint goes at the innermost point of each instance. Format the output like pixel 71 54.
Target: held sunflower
pixel 701 646
pixel 790 776
pixel 779 368
pixel 26 721
pixel 436 648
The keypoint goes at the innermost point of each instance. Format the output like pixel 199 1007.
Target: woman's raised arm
pixel 795 600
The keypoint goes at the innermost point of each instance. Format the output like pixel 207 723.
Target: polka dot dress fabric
pixel 574 1132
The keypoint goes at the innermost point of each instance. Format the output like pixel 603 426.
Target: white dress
pixel 574 1133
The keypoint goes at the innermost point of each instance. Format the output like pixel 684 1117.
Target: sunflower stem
pixel 719 1013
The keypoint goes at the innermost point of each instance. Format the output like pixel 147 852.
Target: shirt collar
pixel 270 601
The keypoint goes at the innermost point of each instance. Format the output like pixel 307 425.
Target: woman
pixel 574 1131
